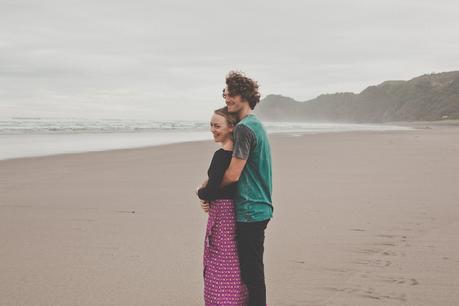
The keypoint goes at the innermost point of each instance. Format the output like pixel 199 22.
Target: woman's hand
pixel 205 206
pixel 204 184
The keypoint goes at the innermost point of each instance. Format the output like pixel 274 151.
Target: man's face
pixel 235 103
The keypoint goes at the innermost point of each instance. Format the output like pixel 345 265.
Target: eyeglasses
pixel 224 95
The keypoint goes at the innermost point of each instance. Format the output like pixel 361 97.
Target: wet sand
pixel 361 218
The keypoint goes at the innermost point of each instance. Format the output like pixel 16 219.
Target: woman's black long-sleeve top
pixel 219 164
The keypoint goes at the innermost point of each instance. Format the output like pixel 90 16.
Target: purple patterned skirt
pixel 222 277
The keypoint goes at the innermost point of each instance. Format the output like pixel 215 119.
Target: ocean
pixel 37 136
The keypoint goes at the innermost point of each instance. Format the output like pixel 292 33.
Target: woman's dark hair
pixel 231 119
pixel 238 84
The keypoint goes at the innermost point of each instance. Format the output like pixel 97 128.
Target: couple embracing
pixel 237 197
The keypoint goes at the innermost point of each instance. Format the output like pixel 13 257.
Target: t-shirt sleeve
pixel 244 141
pixel 216 171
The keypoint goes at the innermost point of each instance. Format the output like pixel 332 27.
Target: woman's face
pixel 219 128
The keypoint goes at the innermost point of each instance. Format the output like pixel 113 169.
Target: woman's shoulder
pixel 224 151
pixel 221 157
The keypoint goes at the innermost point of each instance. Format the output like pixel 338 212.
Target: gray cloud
pixel 168 59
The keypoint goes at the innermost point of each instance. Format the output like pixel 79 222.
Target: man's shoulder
pixel 243 128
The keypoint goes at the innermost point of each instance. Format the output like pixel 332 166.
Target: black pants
pixel 250 239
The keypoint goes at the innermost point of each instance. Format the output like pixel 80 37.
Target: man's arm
pixel 233 172
pixel 244 139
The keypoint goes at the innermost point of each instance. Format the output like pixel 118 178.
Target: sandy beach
pixel 361 218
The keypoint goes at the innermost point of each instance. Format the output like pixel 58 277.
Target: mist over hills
pixel 424 98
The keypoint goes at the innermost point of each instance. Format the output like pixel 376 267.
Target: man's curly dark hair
pixel 238 84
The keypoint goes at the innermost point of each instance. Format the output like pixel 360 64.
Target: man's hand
pixel 205 206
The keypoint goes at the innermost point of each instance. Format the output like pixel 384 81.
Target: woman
pixel 222 278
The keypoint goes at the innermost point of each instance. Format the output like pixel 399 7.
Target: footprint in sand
pixel 392 253
pixel 373 295
pixel 357 229
pixel 401 281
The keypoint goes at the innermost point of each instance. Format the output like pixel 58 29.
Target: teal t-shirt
pixel 254 188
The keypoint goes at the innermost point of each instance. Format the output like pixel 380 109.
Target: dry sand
pixel 361 218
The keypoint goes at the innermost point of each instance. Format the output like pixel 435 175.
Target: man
pixel 251 167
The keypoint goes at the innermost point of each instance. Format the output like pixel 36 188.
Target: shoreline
pixel 43 144
pixel 274 134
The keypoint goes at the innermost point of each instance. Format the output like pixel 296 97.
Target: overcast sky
pixel 168 59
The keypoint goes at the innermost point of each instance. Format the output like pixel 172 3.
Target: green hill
pixel 427 97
